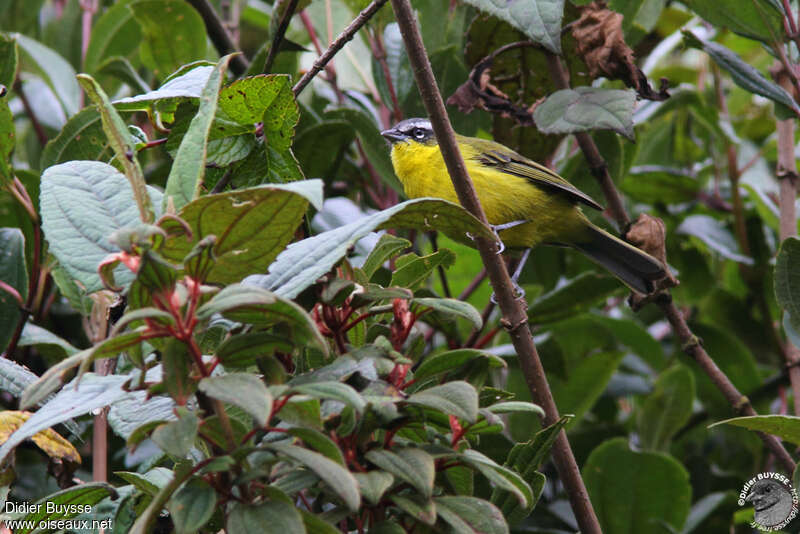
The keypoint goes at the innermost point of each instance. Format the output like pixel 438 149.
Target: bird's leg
pixel 518 291
pixel 496 228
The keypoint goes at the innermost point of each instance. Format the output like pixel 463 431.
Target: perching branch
pixel 690 343
pixel 515 318
pixel 222 40
pixel 787 175
pixel 338 43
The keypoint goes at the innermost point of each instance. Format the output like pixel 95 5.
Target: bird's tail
pixel 634 267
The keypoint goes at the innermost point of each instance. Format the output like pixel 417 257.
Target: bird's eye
pixel 418 133
pixel 767 489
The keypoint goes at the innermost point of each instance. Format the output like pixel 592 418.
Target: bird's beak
pixel 392 135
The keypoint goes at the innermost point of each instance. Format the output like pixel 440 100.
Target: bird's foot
pixel 496 228
pixel 519 293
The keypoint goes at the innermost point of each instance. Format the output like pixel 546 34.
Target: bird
pixel 526 203
pixel 772 502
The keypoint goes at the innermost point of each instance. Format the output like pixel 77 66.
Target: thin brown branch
pixel 279 33
pixel 689 342
pixel 338 43
pixel 473 285
pixel 515 319
pixel 220 37
pixel 787 174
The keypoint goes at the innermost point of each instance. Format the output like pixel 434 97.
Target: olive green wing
pixel 506 160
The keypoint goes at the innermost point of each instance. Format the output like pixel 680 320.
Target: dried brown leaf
pixel 601 44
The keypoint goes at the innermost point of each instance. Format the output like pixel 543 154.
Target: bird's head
pixel 765 493
pixel 411 130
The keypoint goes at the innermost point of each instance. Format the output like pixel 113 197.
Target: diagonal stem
pixel 220 37
pixel 690 343
pixel 279 33
pixel 515 318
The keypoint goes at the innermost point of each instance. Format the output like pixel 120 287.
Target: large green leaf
pixel 714 234
pixel 9 59
pixel 409 464
pixel 52 68
pixel 585 382
pixel 82 203
pixel 189 168
pixel 303 262
pixel 540 20
pixel 173 34
pixel 192 505
pixel 14 273
pixel 340 480
pixel 189 83
pixel 251 226
pixel 81 138
pixel 244 390
pixel 745 75
pixel 458 398
pixel 586 108
pixel 114 33
pixel 272 517
pixel 757 19
pixel 667 408
pixel 470 515
pixel 575 296
pixel 786 427
pixel 88 494
pixel 632 491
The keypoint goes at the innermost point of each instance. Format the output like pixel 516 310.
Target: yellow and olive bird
pixel 527 203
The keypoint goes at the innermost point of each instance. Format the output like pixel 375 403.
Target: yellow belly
pixel 505 198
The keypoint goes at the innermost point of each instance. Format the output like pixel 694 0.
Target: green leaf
pixel 87 494
pixel 253 305
pixel 251 226
pixel 373 484
pixel 9 59
pixel 500 476
pixel 369 137
pixel 526 458
pixel 339 479
pixel 14 378
pixel 82 203
pixel 414 271
pixel 114 33
pixel 586 108
pixel 575 296
pixel 660 186
pixel 409 464
pixel 397 61
pixel 303 262
pixel 82 137
pixel 387 247
pixel 175 363
pixel 91 393
pixel 585 382
pixel 242 350
pixel 616 478
pixel 7 141
pixel 787 280
pixel 189 168
pixel 315 525
pixel 272 517
pixel 453 359
pixel 458 398
pixel 516 407
pixel 173 34
pixel 56 71
pixel 786 427
pixel 756 19
pixel 455 307
pixel 14 273
pixel 540 21
pixel 51 380
pixel 667 408
pixel 192 506
pixel 177 438
pixel 333 390
pixel 423 510
pixel 745 75
pixel 122 143
pixel 244 390
pixel 188 84
pixel 121 69
pixel 714 234
pixel 321 443
pixel 470 515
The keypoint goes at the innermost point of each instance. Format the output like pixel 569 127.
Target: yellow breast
pixel 505 198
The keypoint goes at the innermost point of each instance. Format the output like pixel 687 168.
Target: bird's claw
pixel 519 293
pixel 497 228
